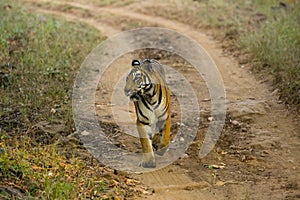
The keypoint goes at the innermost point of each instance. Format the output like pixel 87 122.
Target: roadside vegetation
pixel 275 47
pixel 264 35
pixel 40 155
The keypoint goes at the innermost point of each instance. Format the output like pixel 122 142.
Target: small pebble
pixel 85 133
pixel 244 129
pixel 236 123
pixel 2 150
pixel 53 111
pixel 181 139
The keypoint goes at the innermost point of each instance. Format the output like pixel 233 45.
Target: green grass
pixel 276 49
pixel 273 41
pixel 38 171
pixel 39 58
pixel 44 172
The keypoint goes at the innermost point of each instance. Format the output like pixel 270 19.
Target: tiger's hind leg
pixel 145 133
pixel 164 136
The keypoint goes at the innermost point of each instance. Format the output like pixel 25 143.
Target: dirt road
pixel 257 156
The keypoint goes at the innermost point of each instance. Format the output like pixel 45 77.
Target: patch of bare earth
pixel 257 156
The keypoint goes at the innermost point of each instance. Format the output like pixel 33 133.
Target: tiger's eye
pixel 135 63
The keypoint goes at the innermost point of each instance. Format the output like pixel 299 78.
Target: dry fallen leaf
pixel 220 183
pixel 35 167
pixel 217 166
pixel 131 182
pixel 115 183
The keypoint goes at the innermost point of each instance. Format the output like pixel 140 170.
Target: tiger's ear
pixel 135 63
pixel 147 65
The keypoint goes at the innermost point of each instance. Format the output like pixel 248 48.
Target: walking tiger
pixel 146 87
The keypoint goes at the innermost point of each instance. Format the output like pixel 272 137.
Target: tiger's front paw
pixel 148 164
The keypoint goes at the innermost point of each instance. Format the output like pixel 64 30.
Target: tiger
pixel 146 87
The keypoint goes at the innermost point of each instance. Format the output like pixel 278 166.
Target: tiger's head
pixel 137 81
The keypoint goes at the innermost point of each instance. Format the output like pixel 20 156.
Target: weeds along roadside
pixel 264 35
pixel 39 59
pixel 275 47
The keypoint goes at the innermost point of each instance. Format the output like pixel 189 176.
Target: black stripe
pixel 145 123
pixel 153 103
pixel 141 113
pixel 154 91
pixel 159 97
pixel 145 103
pixel 148 88
pixel 165 111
